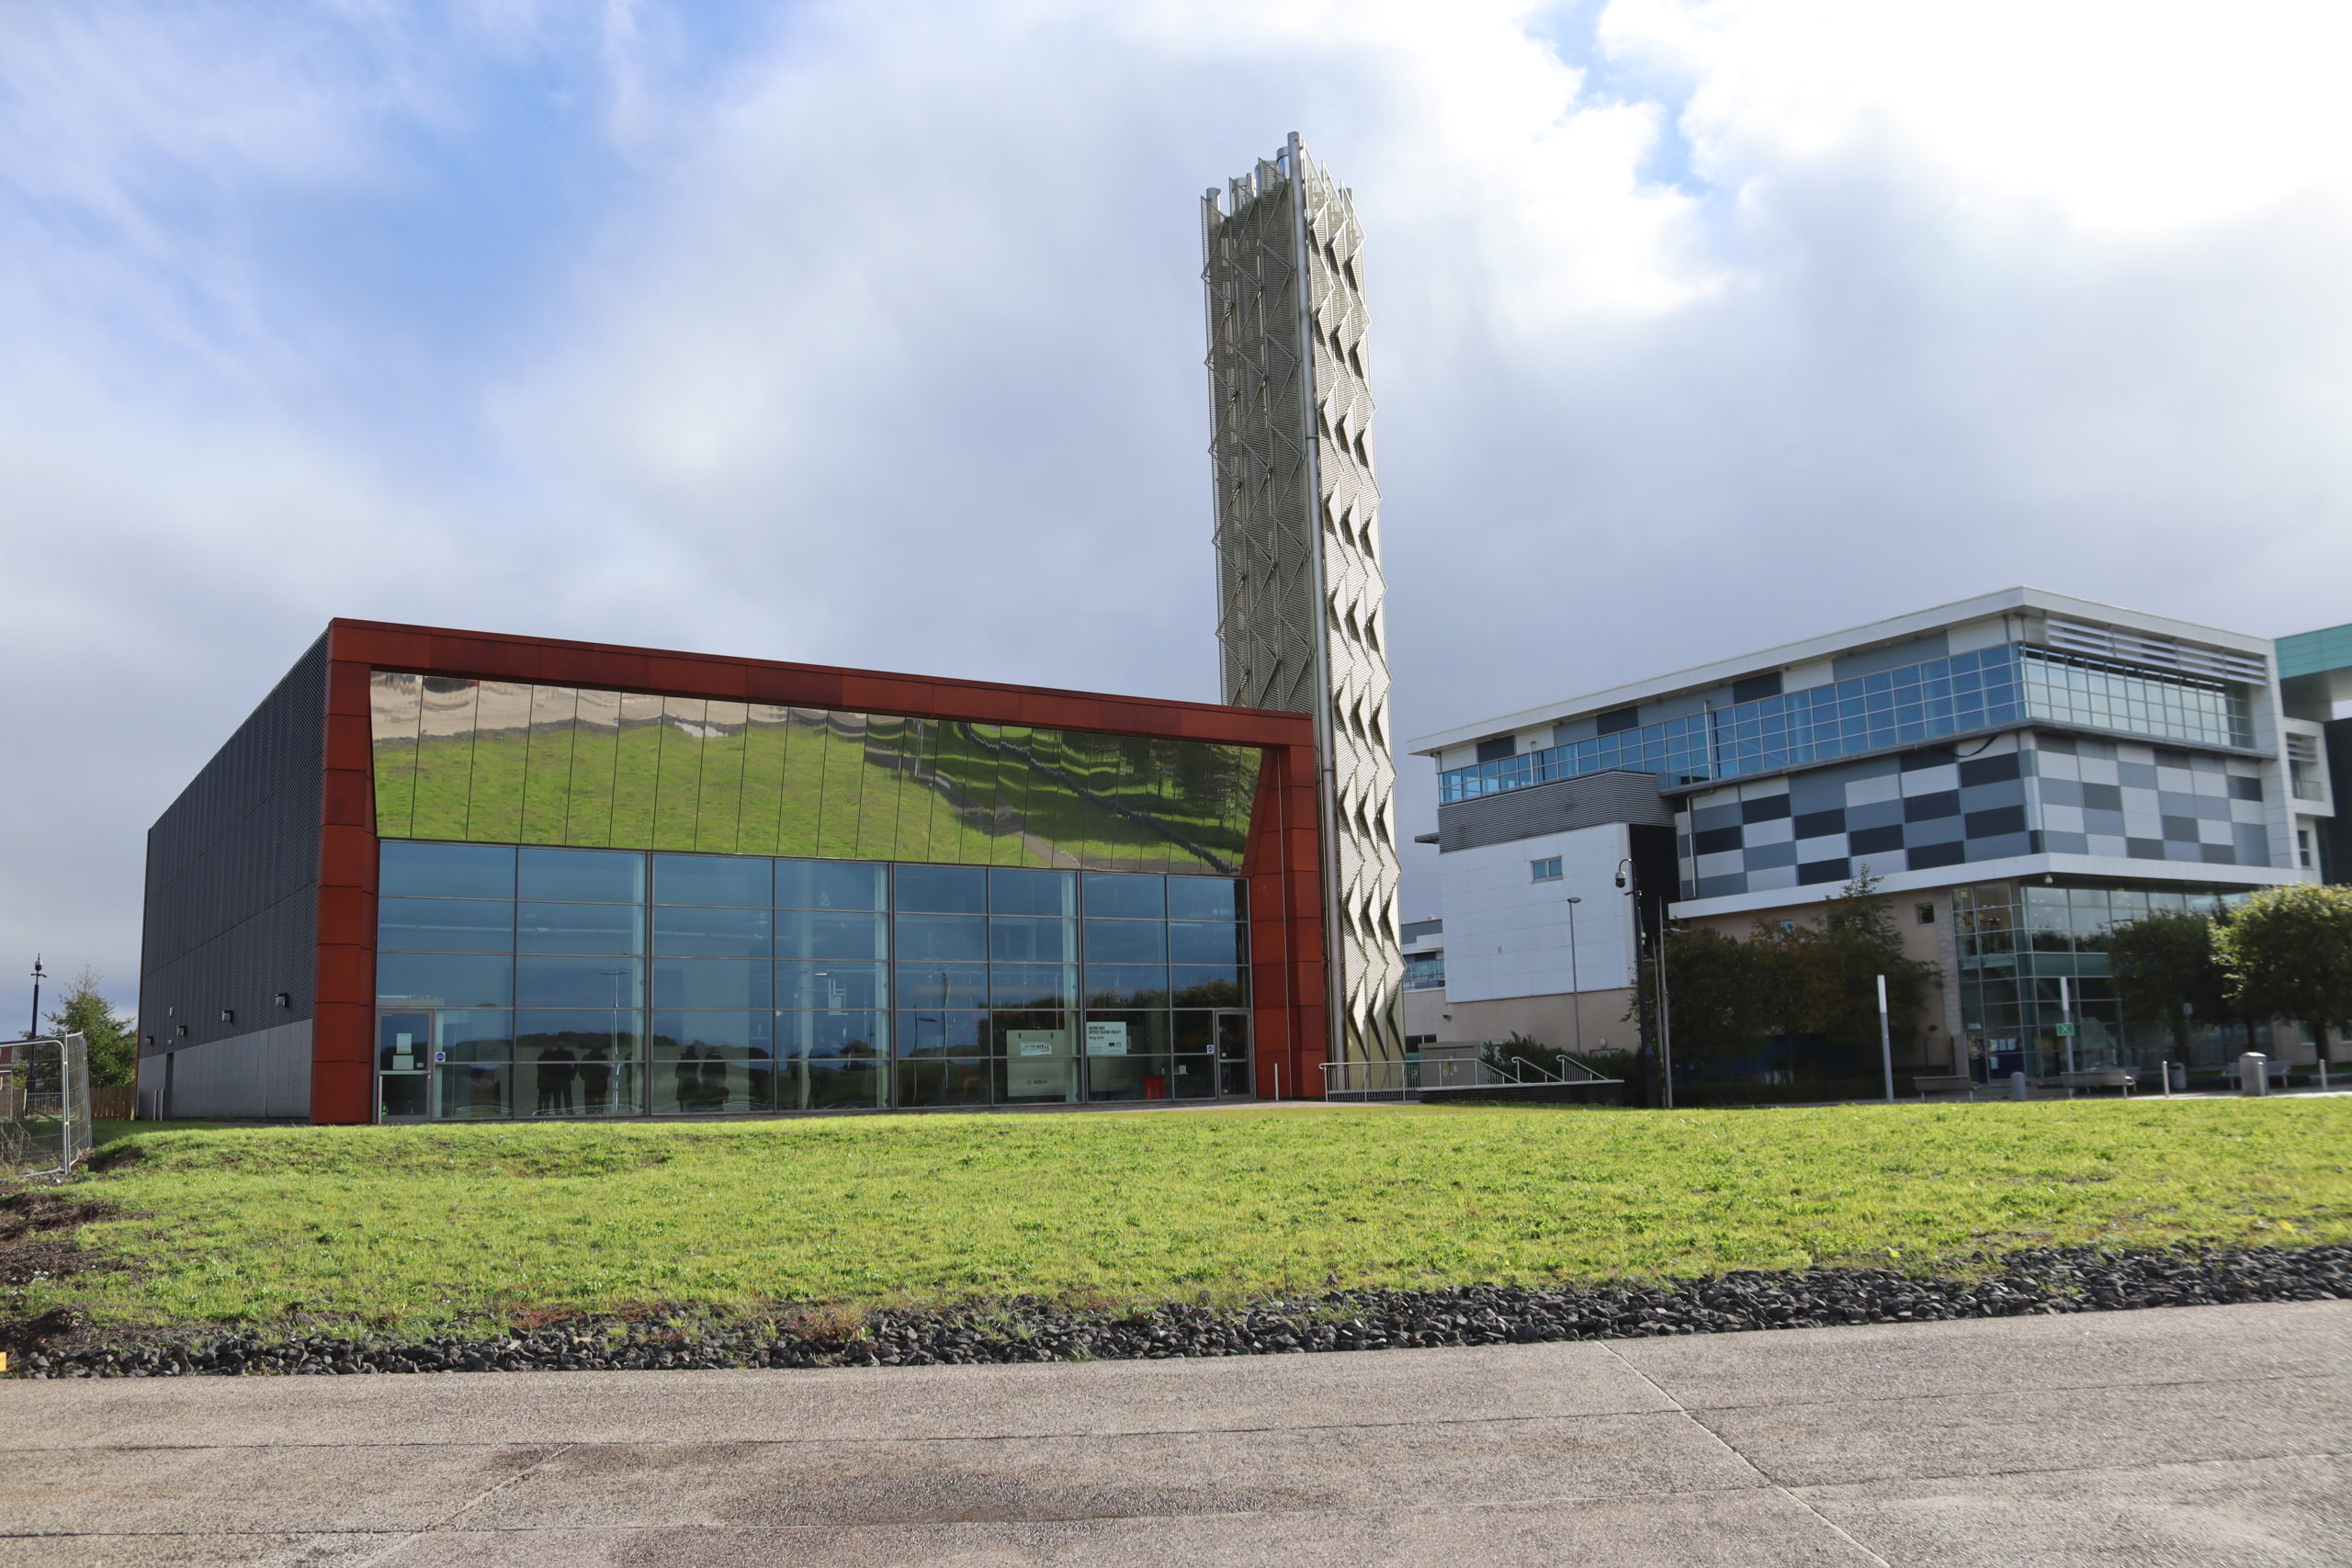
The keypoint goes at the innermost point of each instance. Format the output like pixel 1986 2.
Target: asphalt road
pixel 2202 1436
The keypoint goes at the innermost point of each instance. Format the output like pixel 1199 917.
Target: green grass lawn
pixel 409 1229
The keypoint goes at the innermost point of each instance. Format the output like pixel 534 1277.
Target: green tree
pixel 1713 1000
pixel 2289 954
pixel 111 1042
pixel 1824 979
pixel 2165 961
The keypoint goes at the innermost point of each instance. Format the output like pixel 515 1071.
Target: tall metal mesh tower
pixel 1299 588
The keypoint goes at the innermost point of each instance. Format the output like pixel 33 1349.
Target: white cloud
pixel 2120 115
pixel 867 333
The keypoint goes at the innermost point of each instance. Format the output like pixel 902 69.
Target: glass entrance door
pixel 1234 1079
pixel 404 1067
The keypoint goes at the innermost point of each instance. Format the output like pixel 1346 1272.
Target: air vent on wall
pixel 2157 652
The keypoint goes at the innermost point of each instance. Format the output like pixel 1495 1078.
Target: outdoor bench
pixel 2097 1077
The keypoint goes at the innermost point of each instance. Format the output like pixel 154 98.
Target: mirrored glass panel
pixel 1205 898
pixel 473 1034
pixel 942 1033
pixel 831 983
pixel 595 876
pixel 712 982
pixel 1125 897
pixel 942 889
pixel 1015 891
pixel 832 1035
pixel 1126 941
pixel 939 984
pixel 931 938
pixel 440 980
pixel 616 929
pixel 827 933
pixel 549 982
pixel 830 885
pixel 1202 944
pixel 444 925
pixel 461 761
pixel 711 932
pixel 740 880
pixel 1032 939
pixel 446 870
pixel 1033 985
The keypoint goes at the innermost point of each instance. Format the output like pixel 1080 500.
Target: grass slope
pixel 414 1228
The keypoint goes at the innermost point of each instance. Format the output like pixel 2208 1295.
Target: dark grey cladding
pixel 232 877
pixel 1592 801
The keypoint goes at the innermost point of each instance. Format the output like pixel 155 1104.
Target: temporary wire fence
pixel 44 1107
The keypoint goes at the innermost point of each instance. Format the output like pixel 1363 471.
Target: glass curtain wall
pixel 489 762
pixel 519 981
pixel 1979 690
pixel 2020 942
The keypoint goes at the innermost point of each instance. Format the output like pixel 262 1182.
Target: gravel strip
pixel 2053 1281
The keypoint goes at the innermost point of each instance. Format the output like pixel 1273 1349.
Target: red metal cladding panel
pixel 346 917
pixel 699 677
pixel 342 1010
pixel 350 799
pixel 1283 862
pixel 1287 928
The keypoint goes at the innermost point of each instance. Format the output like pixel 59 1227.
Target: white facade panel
pixel 1511 938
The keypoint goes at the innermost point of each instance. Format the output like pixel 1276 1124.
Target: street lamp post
pixel 32 1031
pixel 1664 1027
pixel 1576 985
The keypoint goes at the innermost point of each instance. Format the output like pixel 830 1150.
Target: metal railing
pixel 1447 1069
pixel 44 1107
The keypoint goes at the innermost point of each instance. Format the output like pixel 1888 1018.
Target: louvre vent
pixel 2157 652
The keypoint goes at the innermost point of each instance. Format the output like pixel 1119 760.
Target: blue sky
pixel 869 334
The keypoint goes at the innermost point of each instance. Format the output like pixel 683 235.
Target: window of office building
pixel 2032 960
pixel 543 981
pixel 1983 689
pixel 1544 870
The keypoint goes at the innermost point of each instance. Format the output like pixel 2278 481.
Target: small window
pixel 1544 870
pixel 2304 847
pixel 1926 913
pixel 1498 748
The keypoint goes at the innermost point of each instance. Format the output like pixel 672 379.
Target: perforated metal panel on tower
pixel 1300 592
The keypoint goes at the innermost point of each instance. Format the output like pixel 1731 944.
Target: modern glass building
pixel 454 877
pixel 2019 773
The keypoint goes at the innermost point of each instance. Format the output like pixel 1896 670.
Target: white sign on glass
pixel 1106 1039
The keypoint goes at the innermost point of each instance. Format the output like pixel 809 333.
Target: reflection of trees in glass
pixel 498 762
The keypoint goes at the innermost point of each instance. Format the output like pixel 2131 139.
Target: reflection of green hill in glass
pixel 646 772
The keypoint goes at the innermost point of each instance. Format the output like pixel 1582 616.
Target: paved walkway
pixel 2198 1435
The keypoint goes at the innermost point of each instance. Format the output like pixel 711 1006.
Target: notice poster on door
pixel 1106 1039
pixel 1035 1042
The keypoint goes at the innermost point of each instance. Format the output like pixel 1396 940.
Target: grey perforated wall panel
pixel 1301 597
pixel 263 1074
pixel 232 877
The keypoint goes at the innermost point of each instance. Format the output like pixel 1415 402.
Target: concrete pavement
pixel 2193 1435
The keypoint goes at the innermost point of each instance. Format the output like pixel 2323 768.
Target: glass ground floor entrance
pixel 478 1064
pixel 517 981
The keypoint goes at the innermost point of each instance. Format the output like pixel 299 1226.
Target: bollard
pixel 2253 1073
pixel 2017 1086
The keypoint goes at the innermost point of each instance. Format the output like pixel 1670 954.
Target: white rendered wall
pixel 1506 935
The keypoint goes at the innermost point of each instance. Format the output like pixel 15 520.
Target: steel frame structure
pixel 1300 591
